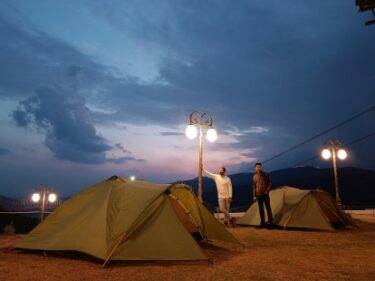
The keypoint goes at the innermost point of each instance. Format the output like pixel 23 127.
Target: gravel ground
pixel 286 255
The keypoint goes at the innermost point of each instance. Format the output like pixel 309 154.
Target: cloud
pixel 69 133
pixel 251 65
pixel 268 62
pixel 166 134
pixel 121 147
pixel 31 58
pixel 256 130
pixel 124 159
pixel 4 151
pixel 235 132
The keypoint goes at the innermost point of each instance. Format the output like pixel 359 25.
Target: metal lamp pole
pixel 334 149
pixel 338 198
pixel 201 120
pixel 43 196
pixel 200 166
pixel 43 204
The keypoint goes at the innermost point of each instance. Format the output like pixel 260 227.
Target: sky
pixel 91 89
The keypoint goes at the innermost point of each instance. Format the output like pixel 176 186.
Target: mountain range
pixel 357 186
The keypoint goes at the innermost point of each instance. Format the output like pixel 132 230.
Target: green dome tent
pixel 297 208
pixel 120 219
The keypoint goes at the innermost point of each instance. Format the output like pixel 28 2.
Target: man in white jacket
pixel 224 193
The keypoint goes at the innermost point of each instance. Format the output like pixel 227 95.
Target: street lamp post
pixel 202 120
pixel 44 196
pixel 335 150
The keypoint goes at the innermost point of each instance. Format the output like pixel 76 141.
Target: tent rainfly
pixel 120 219
pixel 297 208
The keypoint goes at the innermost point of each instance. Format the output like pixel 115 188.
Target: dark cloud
pixel 69 133
pixel 295 68
pixel 4 151
pixel 270 62
pixel 121 147
pixel 31 58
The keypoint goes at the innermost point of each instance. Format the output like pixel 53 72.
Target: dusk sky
pixel 91 89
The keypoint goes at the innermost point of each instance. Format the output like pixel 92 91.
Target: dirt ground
pixel 287 255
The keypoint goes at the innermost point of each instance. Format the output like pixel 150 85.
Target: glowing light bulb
pixel 35 197
pixel 52 197
pixel 326 154
pixel 341 154
pixel 191 131
pixel 211 135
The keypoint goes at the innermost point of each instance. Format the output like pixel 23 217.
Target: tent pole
pixel 120 240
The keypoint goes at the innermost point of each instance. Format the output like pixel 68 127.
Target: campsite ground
pixel 347 254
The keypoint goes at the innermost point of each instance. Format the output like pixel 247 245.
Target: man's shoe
pixel 271 226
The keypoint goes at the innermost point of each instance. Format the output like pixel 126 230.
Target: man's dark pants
pixel 264 199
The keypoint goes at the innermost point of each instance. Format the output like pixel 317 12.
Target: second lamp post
pixel 43 196
pixel 335 150
pixel 200 120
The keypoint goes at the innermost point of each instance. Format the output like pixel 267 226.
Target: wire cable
pixel 348 144
pixel 372 108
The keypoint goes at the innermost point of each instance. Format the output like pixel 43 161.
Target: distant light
pixel 191 131
pixel 132 178
pixel 35 197
pixel 341 154
pixel 326 154
pixel 52 197
pixel 211 135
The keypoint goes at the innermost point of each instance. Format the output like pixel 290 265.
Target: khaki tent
pixel 120 219
pixel 297 208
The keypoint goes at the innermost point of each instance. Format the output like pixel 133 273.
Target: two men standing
pixel 261 188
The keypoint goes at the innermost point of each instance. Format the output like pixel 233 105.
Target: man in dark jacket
pixel 261 188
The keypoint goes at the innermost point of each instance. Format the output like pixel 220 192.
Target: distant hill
pixel 357 186
pixel 8 204
pixel 21 223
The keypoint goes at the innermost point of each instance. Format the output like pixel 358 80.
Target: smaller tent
pixel 297 208
pixel 120 219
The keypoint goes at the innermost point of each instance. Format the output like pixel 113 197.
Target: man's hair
pixel 224 168
pixel 258 164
